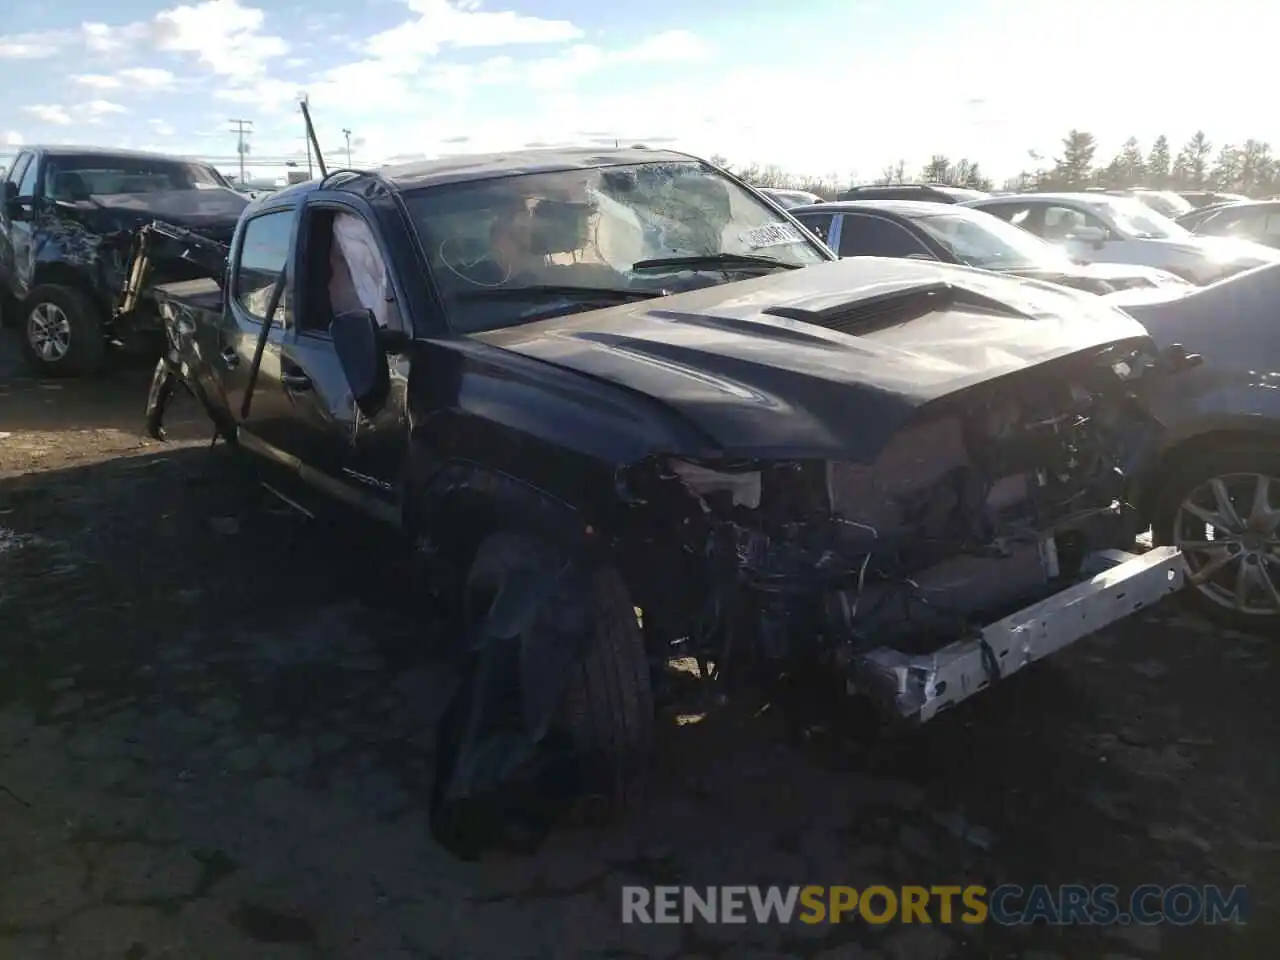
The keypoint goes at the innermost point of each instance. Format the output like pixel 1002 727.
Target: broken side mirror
pixel 360 347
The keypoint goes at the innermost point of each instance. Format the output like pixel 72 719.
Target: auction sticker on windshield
pixel 771 235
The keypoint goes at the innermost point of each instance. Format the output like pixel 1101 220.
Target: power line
pixel 242 129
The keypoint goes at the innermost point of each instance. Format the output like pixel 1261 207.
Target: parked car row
pixel 955 233
pixel 1129 231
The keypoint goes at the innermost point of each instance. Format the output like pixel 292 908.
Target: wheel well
pixel 1183 452
pixel 63 274
pixel 460 517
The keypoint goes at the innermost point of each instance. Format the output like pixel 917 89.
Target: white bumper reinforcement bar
pixel 916 687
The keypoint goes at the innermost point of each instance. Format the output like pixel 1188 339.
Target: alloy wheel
pixel 49 331
pixel 1229 530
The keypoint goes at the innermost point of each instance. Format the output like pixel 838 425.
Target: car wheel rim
pixel 49 331
pixel 1229 531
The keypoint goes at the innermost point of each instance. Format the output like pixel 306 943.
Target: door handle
pixel 296 380
pixel 230 358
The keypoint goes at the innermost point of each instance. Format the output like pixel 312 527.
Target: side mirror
pixel 1094 235
pixel 14 208
pixel 362 354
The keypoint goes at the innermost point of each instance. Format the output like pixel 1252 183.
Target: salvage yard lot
pixel 215 741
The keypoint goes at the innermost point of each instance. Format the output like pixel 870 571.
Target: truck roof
pixel 67 150
pixel 492 166
pixel 486 166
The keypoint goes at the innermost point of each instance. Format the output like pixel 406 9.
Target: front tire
pixel 601 727
pixel 61 332
pixel 1223 510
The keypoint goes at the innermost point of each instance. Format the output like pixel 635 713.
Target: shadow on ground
pixel 216 738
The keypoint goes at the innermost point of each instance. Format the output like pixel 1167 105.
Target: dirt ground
pixel 216 733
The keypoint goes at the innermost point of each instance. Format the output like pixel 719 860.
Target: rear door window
pixel 264 252
pixel 818 223
pixel 862 236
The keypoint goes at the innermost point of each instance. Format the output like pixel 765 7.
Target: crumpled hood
pixel 213 211
pixel 759 367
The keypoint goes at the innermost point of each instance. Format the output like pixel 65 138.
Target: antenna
pixel 242 130
pixel 312 142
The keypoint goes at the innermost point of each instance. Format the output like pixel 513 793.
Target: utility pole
pixel 242 129
pixel 346 132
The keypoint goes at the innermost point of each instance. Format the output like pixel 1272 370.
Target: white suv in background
pixel 1099 228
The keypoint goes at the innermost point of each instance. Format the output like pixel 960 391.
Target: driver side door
pixel 309 414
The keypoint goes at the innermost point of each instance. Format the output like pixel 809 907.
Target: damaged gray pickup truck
pixel 71 219
pixel 626 409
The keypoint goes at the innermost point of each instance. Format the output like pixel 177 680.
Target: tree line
pixel 1248 168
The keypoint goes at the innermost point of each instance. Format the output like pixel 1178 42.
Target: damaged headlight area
pixel 991 500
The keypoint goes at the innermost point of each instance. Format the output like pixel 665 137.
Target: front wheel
pixel 575 679
pixel 61 330
pixel 1222 509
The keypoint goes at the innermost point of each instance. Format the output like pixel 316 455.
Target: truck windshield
pixel 611 230
pixel 78 177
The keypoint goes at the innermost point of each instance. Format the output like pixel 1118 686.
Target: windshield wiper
pixel 538 291
pixel 714 260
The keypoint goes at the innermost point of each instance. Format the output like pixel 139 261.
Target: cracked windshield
pixel 687 480
pixel 535 245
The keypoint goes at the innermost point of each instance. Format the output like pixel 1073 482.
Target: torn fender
pixel 505 770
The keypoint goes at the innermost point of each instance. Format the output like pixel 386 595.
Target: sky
pixel 818 87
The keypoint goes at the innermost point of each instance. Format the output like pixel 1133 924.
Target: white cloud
pixel 162 127
pixel 672 46
pixel 95 81
pixel 225 36
pixel 268 95
pixel 49 113
pixel 13 139
pixel 102 38
pixel 95 109
pixel 31 46
pixel 462 23
pixel 149 78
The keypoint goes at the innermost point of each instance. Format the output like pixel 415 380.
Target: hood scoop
pixel 894 307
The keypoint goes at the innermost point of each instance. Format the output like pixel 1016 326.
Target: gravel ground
pixel 215 741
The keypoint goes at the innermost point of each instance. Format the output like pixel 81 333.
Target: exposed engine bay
pixel 988 501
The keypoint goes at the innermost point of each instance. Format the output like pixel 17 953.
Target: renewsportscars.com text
pixel 1007 905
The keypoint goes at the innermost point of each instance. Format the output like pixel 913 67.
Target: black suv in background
pixel 936 192
pixel 67 224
